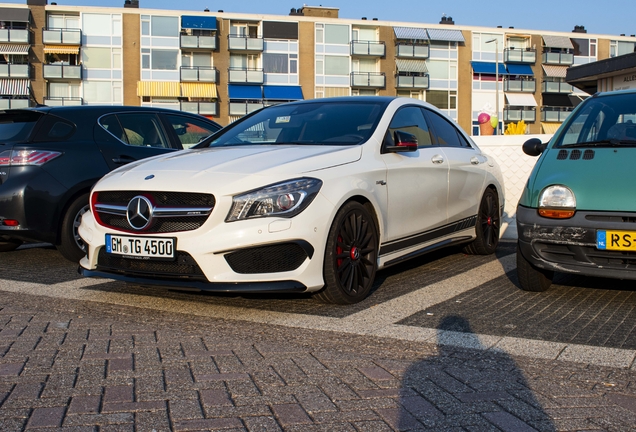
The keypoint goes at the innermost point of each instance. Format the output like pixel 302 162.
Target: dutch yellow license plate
pixel 616 240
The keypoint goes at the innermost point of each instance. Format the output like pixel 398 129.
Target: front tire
pixel 71 246
pixel 532 278
pixel 487 227
pixel 350 256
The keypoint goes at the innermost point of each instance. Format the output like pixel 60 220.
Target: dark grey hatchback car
pixel 50 157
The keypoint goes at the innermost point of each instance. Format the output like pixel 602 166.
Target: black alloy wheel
pixel 351 256
pixel 71 245
pixel 488 226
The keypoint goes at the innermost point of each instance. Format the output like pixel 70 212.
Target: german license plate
pixel 140 247
pixel 616 240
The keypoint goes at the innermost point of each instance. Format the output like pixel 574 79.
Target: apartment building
pixel 224 65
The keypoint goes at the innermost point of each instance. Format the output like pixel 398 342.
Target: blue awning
pixel 488 68
pixel 245 91
pixel 198 22
pixel 515 69
pixel 282 92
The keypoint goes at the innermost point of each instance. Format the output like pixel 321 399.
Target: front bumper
pixel 569 245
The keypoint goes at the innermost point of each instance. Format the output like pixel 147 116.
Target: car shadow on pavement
pixel 467 386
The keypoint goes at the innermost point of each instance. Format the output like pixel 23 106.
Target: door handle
pixel 437 159
pixel 475 160
pixel 123 159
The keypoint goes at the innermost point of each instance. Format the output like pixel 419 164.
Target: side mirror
pixel 534 147
pixel 404 142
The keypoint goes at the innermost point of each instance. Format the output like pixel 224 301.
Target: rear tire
pixel 71 246
pixel 532 278
pixel 350 256
pixel 8 245
pixel 487 227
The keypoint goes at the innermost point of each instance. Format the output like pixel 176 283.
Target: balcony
pixel 199 74
pixel 199 42
pixel 14 103
pixel 520 55
pixel 243 108
pixel 555 114
pixel 63 101
pixel 201 108
pixel 62 36
pixel 518 114
pixel 14 71
pixel 412 51
pixel 243 76
pixel 368 79
pixel 556 87
pixel 555 58
pixel 525 86
pixel 368 48
pixel 65 72
pixel 14 35
pixel 244 43
pixel 415 82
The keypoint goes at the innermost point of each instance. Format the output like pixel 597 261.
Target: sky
pixel 611 17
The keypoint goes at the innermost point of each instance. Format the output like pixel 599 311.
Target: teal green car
pixel 577 213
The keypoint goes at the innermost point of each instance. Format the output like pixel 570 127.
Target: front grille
pixel 184 267
pixel 159 225
pixel 606 218
pixel 167 199
pixel 576 254
pixel 267 259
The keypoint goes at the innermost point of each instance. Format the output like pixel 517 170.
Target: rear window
pixel 17 126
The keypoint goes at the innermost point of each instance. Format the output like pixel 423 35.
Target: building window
pixel 164 26
pixel 336 34
pixel 164 59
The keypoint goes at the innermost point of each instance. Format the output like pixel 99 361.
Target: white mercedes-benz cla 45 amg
pixel 310 196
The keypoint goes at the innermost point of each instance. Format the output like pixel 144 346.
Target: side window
pixel 54 129
pixel 445 131
pixel 190 131
pixel 142 129
pixel 111 124
pixel 410 120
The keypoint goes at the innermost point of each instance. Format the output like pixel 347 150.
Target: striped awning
pixel 158 88
pixel 555 71
pixel 445 35
pixel 61 49
pixel 557 41
pixel 199 90
pixel 410 33
pixel 411 65
pixel 550 128
pixel 14 49
pixel 14 87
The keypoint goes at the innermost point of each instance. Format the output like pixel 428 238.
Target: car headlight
pixel 557 202
pixel 285 199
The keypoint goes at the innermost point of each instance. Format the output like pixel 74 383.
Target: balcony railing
pixel 14 35
pixel 202 108
pixel 199 74
pixel 368 48
pixel 419 82
pixel 252 76
pixel 14 71
pixel 70 72
pixel 368 79
pixel 557 58
pixel 62 36
pixel 412 51
pixel 242 108
pixel 518 114
pixel 63 101
pixel 555 114
pixel 526 86
pixel 520 55
pixel 14 103
pixel 244 43
pixel 556 87
pixel 199 42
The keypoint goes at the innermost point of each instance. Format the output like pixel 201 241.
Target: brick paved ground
pixel 82 366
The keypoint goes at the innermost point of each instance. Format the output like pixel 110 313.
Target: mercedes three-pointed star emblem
pixel 139 212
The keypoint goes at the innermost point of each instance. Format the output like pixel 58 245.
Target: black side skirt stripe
pixel 427 236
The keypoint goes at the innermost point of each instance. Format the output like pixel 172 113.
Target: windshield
pixel 602 121
pixel 315 123
pixel 16 126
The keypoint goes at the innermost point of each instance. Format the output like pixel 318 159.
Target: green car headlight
pixel 557 202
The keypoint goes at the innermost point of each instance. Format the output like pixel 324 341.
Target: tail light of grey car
pixel 9 158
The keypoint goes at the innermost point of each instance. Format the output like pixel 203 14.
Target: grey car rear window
pixel 17 126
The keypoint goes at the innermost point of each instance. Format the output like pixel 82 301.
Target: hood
pixel 602 183
pixel 225 165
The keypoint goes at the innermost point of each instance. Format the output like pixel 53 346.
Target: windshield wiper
pixel 602 143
